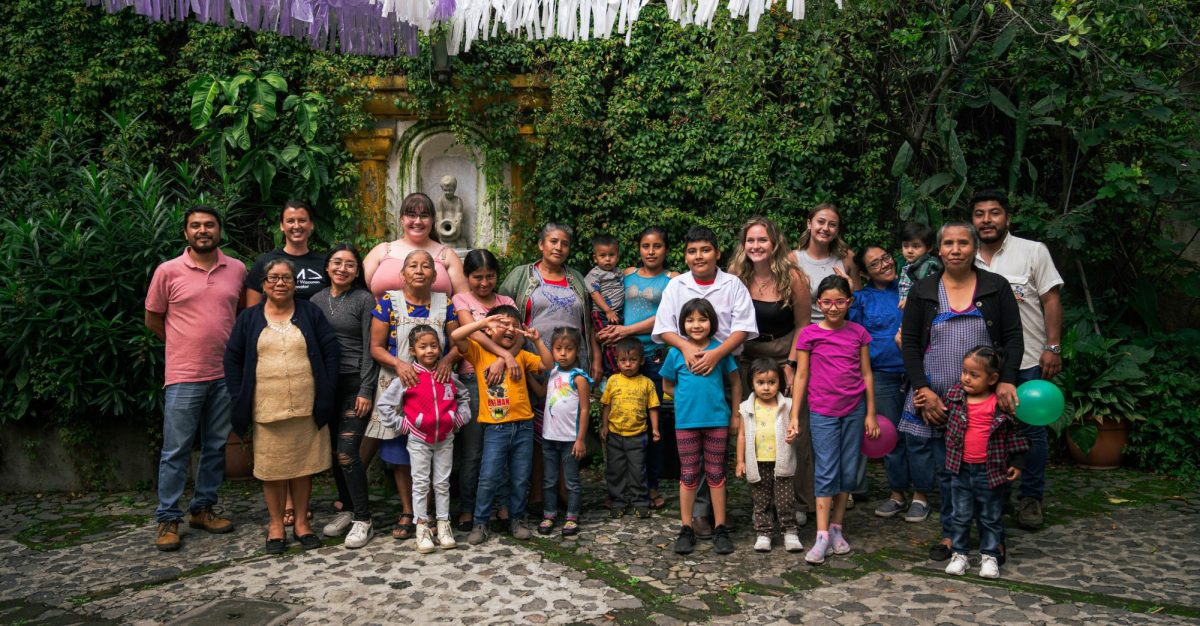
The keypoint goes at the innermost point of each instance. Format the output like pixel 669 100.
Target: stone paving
pixel 1121 548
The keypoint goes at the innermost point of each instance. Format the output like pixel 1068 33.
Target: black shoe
pixel 464 526
pixel 686 541
pixel 722 544
pixel 939 552
pixel 307 542
pixel 617 512
pixel 276 546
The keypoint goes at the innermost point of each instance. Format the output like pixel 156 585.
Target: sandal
pixel 404 531
pixel 658 502
pixel 570 528
pixel 546 527
pixel 289 517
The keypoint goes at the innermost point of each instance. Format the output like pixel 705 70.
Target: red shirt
pixel 979 426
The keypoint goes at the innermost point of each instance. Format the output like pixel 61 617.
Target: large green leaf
pixel 954 150
pixel 903 158
pixel 204 92
pixel 276 81
pixel 262 104
pixel 306 121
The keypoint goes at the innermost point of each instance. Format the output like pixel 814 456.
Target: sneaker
pixel 763 543
pixel 939 552
pixel 570 528
pixel 206 519
pixel 641 512
pixel 360 533
pixel 791 542
pixel 519 531
pixel 424 543
pixel 339 525
pixel 546 527
pixel 722 544
pixel 479 534
pixel 989 568
pixel 816 555
pixel 801 518
pixel 686 542
pixel 958 565
pixel 917 511
pixel 617 512
pixel 837 541
pixel 890 508
pixel 445 535
pixel 703 529
pixel 167 539
pixel 1029 513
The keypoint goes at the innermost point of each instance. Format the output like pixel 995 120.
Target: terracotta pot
pixel 239 458
pixel 1106 454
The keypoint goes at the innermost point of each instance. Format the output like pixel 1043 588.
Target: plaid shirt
pixel 1005 446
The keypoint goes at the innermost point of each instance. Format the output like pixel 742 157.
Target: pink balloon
pixel 883 444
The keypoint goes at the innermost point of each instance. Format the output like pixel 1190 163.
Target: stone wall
pixel 33 458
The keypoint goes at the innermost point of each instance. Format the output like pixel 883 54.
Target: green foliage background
pixel 1085 111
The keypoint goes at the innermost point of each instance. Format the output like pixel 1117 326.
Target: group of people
pixel 447 373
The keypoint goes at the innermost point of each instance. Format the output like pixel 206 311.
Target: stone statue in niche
pixel 450 215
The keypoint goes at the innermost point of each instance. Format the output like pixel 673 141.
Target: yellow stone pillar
pixel 371 149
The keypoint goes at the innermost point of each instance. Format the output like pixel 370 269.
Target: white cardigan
pixel 785 453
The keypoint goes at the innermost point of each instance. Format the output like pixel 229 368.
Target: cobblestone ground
pixel 1119 548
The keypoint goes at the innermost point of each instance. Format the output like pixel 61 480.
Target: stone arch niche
pixel 427 151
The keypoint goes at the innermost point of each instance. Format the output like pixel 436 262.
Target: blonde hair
pixel 840 248
pixel 782 265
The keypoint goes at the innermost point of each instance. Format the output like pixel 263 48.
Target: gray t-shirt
pixel 610 284
pixel 350 316
pixel 817 271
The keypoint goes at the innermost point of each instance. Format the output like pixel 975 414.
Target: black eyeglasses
pixel 882 261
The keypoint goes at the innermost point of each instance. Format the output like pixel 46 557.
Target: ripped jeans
pixel 346 432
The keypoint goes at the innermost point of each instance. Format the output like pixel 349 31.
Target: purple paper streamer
pixel 443 9
pixel 348 26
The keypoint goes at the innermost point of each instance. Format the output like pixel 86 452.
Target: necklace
pixel 761 284
pixel 338 300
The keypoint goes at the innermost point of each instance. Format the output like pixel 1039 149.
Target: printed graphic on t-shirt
pixel 308 279
pixel 497 402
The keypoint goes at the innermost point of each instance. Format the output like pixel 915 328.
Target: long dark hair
pixel 480 258
pixel 359 281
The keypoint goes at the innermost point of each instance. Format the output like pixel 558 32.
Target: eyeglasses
pixel 280 278
pixel 338 263
pixel 417 216
pixel 839 303
pixel 882 261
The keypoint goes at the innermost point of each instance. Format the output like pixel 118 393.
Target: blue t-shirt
pixel 878 311
pixel 642 296
pixel 699 400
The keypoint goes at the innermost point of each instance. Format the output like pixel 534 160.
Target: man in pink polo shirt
pixel 192 303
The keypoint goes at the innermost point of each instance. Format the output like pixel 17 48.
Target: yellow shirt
pixel 764 432
pixel 506 402
pixel 629 401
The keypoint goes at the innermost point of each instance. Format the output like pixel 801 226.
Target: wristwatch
pixel 1052 348
pixel 791 364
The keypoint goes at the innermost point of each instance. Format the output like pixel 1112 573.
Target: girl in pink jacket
pixel 429 413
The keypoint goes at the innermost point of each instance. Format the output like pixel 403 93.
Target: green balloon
pixel 1040 403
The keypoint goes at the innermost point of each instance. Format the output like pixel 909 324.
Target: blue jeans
pixel 1033 479
pixel 974 500
pixel 837 450
pixel 927 461
pixel 188 408
pixel 468 452
pixel 889 402
pixel 554 453
pixel 505 446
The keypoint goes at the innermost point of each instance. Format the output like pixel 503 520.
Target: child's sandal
pixel 402 530
pixel 546 527
pixel 570 528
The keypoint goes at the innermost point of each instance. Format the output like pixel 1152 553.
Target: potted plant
pixel 1104 384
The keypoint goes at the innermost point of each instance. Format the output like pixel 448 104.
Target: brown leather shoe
pixel 206 519
pixel 168 536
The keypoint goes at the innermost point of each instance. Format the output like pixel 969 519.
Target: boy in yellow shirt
pixel 506 416
pixel 628 398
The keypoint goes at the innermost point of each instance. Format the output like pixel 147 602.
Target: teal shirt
pixel 699 400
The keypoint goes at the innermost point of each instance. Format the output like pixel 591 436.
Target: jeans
pixel 654 450
pixel 1033 479
pixel 837 448
pixel 436 460
pixel 889 402
pixel 554 454
pixel 625 470
pixel 510 446
pixel 920 461
pixel 346 431
pixel 188 408
pixel 468 450
pixel 974 500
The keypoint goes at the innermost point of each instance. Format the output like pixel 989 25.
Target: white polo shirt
pixel 728 296
pixel 1027 266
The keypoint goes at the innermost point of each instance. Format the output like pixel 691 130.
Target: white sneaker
pixel 990 568
pixel 338 526
pixel 763 544
pixel 360 533
pixel 791 542
pixel 801 518
pixel 446 535
pixel 958 565
pixel 425 543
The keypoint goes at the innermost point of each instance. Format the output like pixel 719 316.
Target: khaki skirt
pixel 291 448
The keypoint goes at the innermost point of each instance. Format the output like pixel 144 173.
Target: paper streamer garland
pixel 391 27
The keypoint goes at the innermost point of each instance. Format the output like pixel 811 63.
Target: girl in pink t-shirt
pixel 834 371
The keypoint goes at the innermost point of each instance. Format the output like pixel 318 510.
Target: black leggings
pixel 346 433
